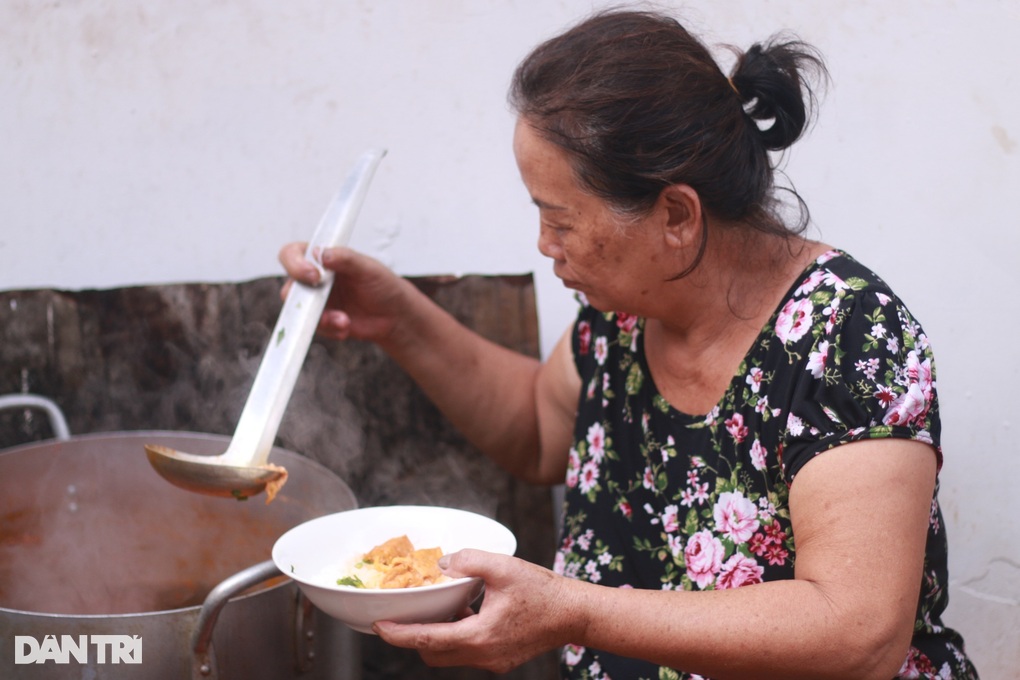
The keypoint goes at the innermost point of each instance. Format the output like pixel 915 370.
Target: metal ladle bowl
pixel 243 470
pixel 210 475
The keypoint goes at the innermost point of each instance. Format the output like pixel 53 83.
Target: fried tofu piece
pixel 402 566
pixel 273 487
pixel 400 575
pixel 420 568
pixel 426 562
pixel 386 553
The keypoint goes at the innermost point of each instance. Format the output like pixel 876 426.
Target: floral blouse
pixel 660 499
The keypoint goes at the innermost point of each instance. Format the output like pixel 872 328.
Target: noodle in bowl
pixel 319 552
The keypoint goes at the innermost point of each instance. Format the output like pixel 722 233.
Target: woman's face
pixel 594 251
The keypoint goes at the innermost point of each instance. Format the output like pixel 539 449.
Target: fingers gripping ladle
pixel 243 470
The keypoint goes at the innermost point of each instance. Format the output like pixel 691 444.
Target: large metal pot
pixel 94 543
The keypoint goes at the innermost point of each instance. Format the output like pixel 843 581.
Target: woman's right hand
pixel 367 301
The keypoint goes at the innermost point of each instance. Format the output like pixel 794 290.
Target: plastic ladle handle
pixel 292 336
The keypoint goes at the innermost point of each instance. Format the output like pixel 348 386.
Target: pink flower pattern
pixel 703 556
pixel 738 571
pixel 735 516
pixel 794 320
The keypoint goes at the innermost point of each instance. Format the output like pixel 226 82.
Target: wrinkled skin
pixel 513 625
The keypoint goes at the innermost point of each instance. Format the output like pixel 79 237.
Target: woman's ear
pixel 683 215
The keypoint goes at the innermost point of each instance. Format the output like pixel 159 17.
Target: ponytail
pixel 769 79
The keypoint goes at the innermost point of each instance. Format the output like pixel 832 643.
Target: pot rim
pixel 156 612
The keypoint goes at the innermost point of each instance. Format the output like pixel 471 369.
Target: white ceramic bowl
pixel 315 554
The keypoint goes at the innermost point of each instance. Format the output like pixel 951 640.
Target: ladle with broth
pixel 244 469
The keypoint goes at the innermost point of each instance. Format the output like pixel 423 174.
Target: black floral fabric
pixel 660 499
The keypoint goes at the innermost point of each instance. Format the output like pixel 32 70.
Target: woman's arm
pixel 515 409
pixel 860 517
pixel 512 407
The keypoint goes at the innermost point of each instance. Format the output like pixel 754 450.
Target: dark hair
pixel 640 104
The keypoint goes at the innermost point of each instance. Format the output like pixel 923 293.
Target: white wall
pixel 185 140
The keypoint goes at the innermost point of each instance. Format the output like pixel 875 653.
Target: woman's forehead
pixel 552 189
pixel 540 160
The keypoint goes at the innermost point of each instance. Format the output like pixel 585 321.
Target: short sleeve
pixel 868 373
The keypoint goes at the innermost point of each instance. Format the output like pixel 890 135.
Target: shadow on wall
pixel 183 357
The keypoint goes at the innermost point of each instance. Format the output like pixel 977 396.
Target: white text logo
pixel 81 648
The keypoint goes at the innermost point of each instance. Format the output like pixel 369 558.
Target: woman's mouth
pixel 558 270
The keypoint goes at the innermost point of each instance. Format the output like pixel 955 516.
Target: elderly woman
pixel 745 420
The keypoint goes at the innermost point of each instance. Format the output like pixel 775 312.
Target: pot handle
pixel 57 421
pixel 203 663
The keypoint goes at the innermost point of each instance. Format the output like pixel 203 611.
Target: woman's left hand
pixel 521 616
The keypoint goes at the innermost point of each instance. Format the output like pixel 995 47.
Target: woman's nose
pixel 548 244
